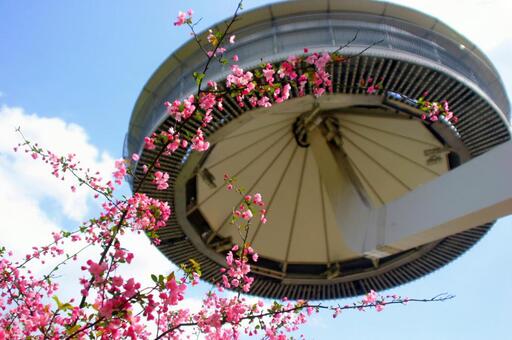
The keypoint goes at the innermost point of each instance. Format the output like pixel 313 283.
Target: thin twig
pixel 347 43
pixel 259 316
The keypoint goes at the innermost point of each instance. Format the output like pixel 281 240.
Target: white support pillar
pixel 475 193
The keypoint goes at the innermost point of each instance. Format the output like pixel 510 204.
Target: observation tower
pixel 361 192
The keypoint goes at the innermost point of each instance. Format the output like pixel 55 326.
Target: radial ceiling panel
pixel 308 242
pixel 387 153
pixel 245 165
pixel 390 155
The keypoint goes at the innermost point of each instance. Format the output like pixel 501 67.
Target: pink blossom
pixel 318 91
pixel 238 77
pixel 264 102
pixel 247 215
pixel 184 18
pixel 199 143
pixel 181 19
pixel 229 259
pixel 97 269
pixel 207 101
pixel 181 110
pixel 212 84
pixel 268 73
pixel 160 180
pixel 258 199
pixel 130 287
pixel 208 117
pixel 120 172
pixel 117 281
pixel 253 100
pixel 149 143
pixel 370 298
pixel 287 69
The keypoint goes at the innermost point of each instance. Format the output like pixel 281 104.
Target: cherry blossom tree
pixel 112 306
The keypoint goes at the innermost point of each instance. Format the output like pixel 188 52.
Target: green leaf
pixel 60 305
pixel 57 301
pixel 73 329
pixel 171 276
pixel 195 266
pixel 199 77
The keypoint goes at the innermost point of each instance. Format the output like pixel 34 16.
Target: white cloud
pixel 33 177
pixel 26 184
pixel 500 56
pixel 23 222
pixel 484 22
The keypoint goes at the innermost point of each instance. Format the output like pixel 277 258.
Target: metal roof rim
pixel 384 53
pixel 168 61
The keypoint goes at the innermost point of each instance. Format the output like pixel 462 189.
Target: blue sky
pixel 79 66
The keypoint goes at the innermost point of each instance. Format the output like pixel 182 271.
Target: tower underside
pixel 379 147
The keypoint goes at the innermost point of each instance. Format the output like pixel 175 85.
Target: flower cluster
pixel 181 110
pixel 145 213
pixel 24 307
pixel 273 84
pixel 236 276
pixel 370 85
pixel 120 172
pixel 160 180
pixel 434 111
pixel 184 18
pixel 63 165
pixel 249 204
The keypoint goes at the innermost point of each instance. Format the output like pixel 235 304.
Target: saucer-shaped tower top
pixel 365 151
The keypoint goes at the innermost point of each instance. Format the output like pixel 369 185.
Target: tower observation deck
pixel 333 188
